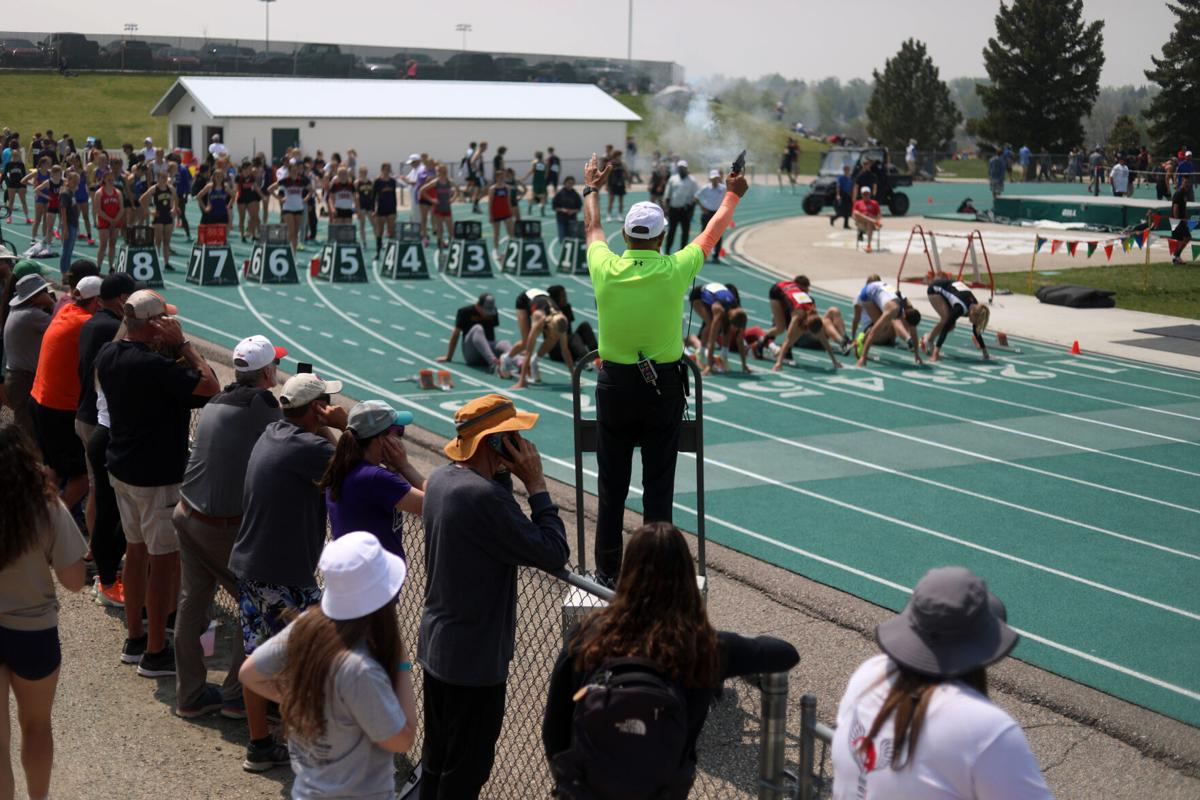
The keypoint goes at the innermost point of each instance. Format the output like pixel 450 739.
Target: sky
pixel 805 39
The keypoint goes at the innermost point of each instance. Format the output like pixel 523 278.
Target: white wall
pixel 379 140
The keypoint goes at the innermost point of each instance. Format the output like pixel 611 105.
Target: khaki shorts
pixel 146 515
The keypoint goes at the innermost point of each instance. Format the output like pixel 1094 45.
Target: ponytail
pixel 349 452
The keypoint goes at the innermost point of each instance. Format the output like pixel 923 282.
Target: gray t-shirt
pixel 229 426
pixel 23 332
pixel 283 522
pixel 360 709
pixel 27 598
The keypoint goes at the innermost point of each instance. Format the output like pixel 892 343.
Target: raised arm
pixel 594 177
pixel 735 187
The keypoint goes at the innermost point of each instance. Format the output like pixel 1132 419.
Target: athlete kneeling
pixel 713 302
pixel 891 315
pixel 794 313
pixel 728 330
pixel 538 315
pixel 953 300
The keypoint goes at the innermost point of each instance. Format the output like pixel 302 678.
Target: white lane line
pixel 374 296
pixel 183 287
pixel 397 327
pixel 422 334
pixel 326 334
pixel 993 459
pixel 283 321
pixel 304 327
pixel 937 484
pixel 372 320
pixel 350 342
pixel 376 351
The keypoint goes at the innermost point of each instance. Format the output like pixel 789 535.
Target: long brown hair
pixel 657 613
pixel 24 510
pixel 350 450
pixel 315 648
pixel 909 699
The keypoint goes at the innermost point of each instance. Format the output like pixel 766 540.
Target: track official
pixel 640 389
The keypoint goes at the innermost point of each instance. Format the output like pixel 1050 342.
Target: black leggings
pixel 183 220
pixel 108 537
pixel 581 342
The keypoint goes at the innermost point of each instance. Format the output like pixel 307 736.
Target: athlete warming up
pixel 794 314
pixel 953 300
pixel 890 315
pixel 537 315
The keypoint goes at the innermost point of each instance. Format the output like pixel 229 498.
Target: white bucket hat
pixel 360 576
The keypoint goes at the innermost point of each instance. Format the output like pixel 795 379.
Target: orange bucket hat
pixel 492 413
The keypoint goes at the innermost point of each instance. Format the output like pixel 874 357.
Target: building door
pixel 209 131
pixel 281 140
pixel 183 137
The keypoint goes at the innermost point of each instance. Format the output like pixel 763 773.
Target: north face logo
pixel 632 727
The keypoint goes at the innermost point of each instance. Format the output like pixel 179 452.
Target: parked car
pixel 176 59
pixel 556 72
pixel 511 68
pixel 129 54
pixel 78 50
pixel 323 59
pixel 471 67
pixel 226 57
pixel 823 191
pixel 273 64
pixel 375 68
pixel 20 53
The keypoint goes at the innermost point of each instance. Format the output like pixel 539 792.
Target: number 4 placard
pixel 211 265
pixel 403 259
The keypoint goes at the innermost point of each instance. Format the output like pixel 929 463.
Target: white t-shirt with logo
pixel 968 747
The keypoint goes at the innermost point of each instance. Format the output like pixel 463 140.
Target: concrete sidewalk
pixel 829 257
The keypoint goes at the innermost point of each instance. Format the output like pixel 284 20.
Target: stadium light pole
pixel 629 43
pixel 130 27
pixel 464 28
pixel 267 36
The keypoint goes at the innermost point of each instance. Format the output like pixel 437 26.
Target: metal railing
pixel 812 782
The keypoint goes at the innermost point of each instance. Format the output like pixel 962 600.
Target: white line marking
pixel 326 334
pixel 422 334
pixel 376 351
pixel 304 327
pixel 350 342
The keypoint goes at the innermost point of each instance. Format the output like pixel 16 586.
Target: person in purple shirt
pixel 369 480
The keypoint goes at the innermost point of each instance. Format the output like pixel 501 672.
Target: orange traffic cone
pixel 1075 348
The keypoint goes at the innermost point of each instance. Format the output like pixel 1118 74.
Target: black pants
pixel 462 724
pixel 108 537
pixel 842 208
pixel 581 342
pixel 680 218
pixel 705 216
pixel 183 220
pixel 631 414
pixel 312 220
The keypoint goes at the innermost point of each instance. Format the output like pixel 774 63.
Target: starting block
pixel 272 259
pixel 139 257
pixel 211 262
pixel 468 254
pixel 525 252
pixel 341 259
pixel 572 254
pixel 404 257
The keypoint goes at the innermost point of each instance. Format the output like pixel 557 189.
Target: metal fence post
pixel 808 721
pixel 772 756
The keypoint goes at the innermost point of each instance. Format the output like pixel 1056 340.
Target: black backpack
pixel 629 738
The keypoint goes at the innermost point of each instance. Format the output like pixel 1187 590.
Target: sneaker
pixel 210 701
pixel 133 650
pixel 499 370
pixel 168 268
pixel 112 596
pixel 773 349
pixel 91 242
pixel 535 369
pixel 507 365
pixel 265 754
pixel 858 344
pixel 157 665
pixel 234 709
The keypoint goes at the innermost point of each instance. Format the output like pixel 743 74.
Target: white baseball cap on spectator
pixel 360 576
pixel 256 352
pixel 865 190
pixel 680 163
pixel 304 388
pixel 645 220
pixel 88 287
pixel 147 304
pixel 714 173
pixel 373 417
pixel 415 158
pixel 148 140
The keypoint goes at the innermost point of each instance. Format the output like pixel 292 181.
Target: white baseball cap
pixel 680 163
pixel 645 220
pixel 256 352
pixel 714 173
pixel 147 304
pixel 149 140
pixel 360 576
pixel 304 388
pixel 88 287
pixel 865 190
pixel 414 158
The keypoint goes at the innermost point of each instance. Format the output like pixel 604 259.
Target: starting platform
pixel 1116 213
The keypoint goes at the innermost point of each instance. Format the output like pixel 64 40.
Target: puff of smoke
pixel 696 136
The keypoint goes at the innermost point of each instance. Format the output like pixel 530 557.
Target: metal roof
pixel 328 98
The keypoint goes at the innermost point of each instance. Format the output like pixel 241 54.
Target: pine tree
pixel 910 101
pixel 1124 135
pixel 1174 113
pixel 1044 64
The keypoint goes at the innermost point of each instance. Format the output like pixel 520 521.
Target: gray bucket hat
pixel 951 626
pixel 27 287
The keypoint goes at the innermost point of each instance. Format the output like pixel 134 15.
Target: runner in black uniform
pixel 14 174
pixel 616 183
pixel 160 201
pixel 581 340
pixel 657 185
pixel 537 315
pixel 249 195
pixel 384 192
pixel 365 188
pixel 953 300
pixel 553 169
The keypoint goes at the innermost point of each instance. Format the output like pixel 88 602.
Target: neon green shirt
pixel 639 300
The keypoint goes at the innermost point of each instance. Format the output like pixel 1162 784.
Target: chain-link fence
pixel 730 748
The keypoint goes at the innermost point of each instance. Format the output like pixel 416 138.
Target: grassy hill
pixel 114 107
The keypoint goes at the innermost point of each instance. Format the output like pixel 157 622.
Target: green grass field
pixel 973 168
pixel 114 107
pixel 1168 289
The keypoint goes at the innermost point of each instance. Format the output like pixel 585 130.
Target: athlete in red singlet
pixel 109 208
pixel 794 311
pixel 499 210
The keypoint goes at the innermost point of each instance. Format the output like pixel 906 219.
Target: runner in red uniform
pixel 499 210
pixel 109 208
pixel 794 313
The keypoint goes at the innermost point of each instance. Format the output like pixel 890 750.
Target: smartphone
pixel 499 442
pixel 303 366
